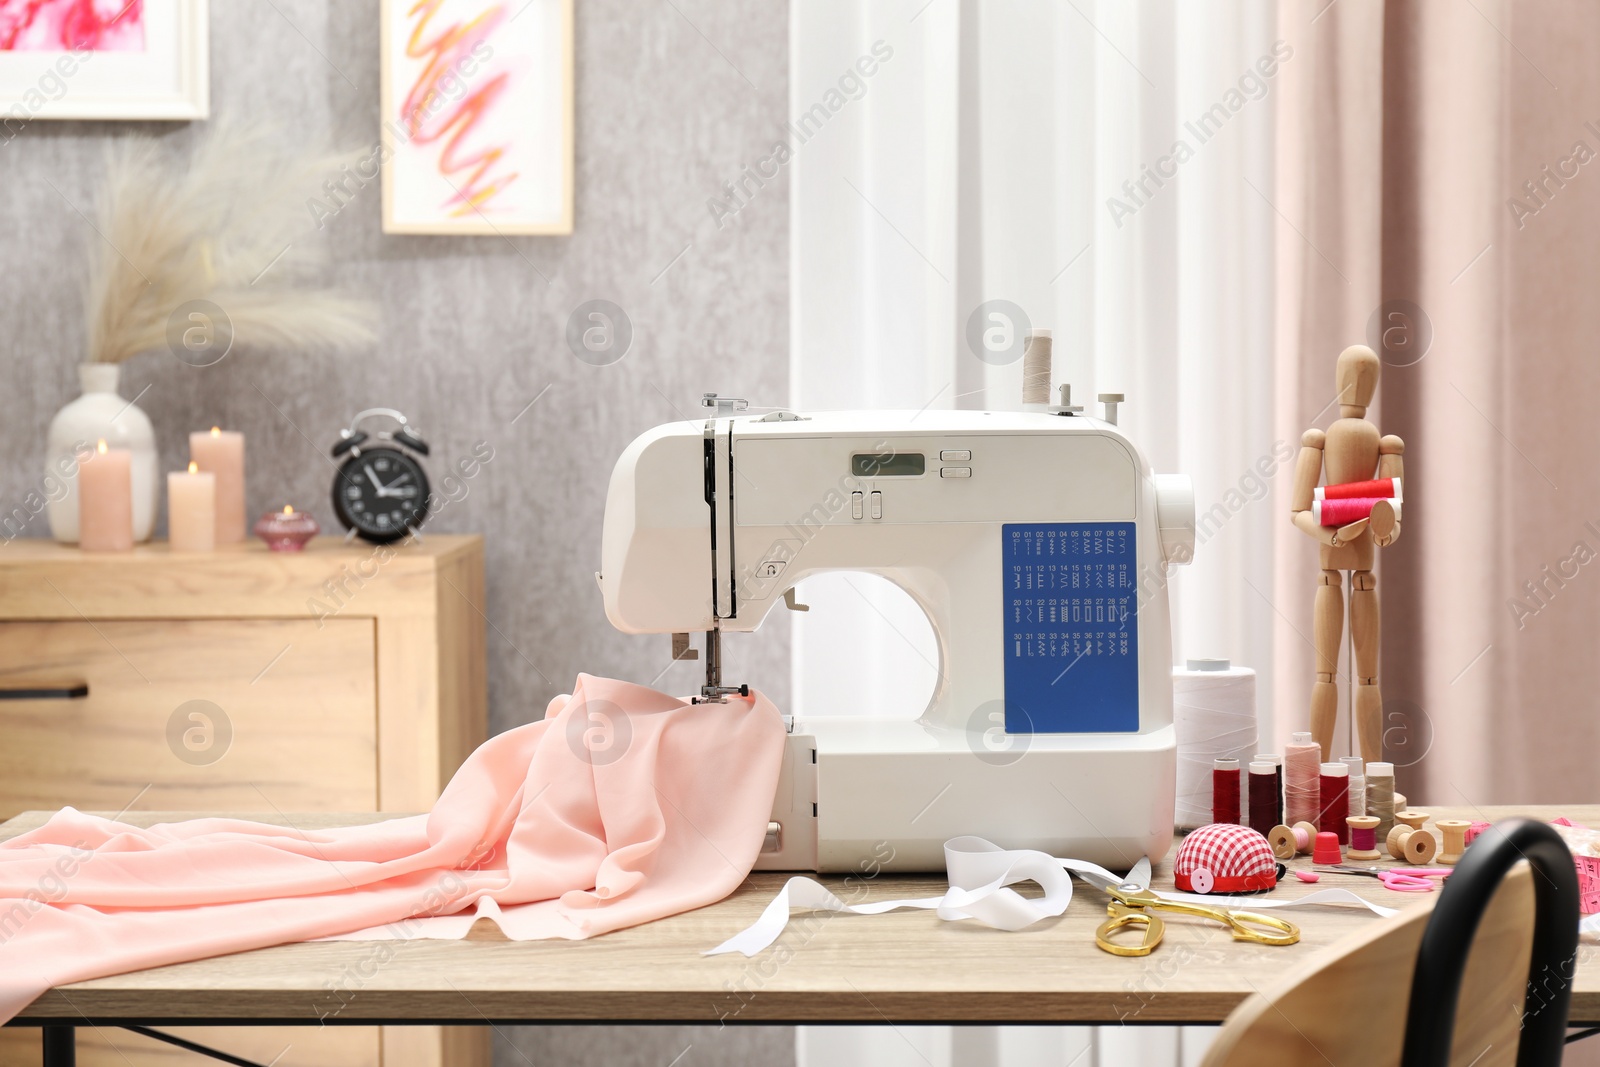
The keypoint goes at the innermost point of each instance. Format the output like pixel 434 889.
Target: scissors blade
pixel 1099 881
pixel 1140 874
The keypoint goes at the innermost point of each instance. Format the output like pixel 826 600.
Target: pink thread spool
pixel 1363 837
pixel 1300 787
pixel 1290 841
pixel 1345 510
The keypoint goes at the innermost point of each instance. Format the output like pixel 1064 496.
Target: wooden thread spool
pixel 1287 842
pixel 1455 839
pixel 1408 841
pixel 1363 828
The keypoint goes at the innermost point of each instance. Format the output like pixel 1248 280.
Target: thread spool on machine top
pixel 1037 370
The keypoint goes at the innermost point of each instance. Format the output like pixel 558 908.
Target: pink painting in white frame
pixel 71 25
pixel 102 59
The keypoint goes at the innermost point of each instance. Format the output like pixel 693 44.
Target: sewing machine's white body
pixel 708 523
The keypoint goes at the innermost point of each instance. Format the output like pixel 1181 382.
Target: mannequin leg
pixel 1328 627
pixel 1364 636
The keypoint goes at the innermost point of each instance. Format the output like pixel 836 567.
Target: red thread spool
pixel 1363 839
pixel 1225 790
pixel 1327 850
pixel 1277 769
pixel 1382 488
pixel 1335 792
pixel 1263 798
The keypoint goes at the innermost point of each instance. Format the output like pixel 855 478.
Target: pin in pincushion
pixel 1224 858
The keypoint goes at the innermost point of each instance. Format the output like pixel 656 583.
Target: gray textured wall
pixel 673 98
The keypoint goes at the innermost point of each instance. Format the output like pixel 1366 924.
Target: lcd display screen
pixel 893 465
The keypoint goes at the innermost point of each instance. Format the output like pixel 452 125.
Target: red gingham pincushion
pixel 1224 858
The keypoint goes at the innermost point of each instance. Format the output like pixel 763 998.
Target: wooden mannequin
pixel 1348 452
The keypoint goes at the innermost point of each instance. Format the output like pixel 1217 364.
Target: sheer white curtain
pixel 1107 167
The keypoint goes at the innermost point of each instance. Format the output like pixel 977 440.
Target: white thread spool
pixel 1358 783
pixel 1036 360
pixel 1381 796
pixel 1214 716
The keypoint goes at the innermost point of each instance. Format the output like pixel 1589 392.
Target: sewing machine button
pixel 955 472
pixel 855 505
pixel 877 505
pixel 959 455
pixel 771 568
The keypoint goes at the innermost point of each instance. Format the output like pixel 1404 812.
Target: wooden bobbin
pixel 1284 845
pixel 1408 841
pixel 1362 822
pixel 1455 839
pixel 1399 802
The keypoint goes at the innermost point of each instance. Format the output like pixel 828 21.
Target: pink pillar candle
pixel 221 452
pixel 192 510
pixel 105 500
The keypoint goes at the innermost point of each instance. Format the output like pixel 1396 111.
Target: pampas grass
pixel 229 226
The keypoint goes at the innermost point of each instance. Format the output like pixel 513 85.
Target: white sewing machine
pixel 1038 546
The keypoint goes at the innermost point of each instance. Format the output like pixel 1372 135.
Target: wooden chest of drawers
pixel 343 678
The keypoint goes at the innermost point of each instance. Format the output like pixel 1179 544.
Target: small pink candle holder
pixel 287 530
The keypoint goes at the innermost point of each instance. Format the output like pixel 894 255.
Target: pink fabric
pixel 621 806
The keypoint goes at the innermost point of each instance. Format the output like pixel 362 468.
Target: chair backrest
pixel 1350 1004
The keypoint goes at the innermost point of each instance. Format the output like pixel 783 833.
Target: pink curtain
pixel 1406 134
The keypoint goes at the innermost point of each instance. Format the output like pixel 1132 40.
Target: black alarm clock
pixel 380 492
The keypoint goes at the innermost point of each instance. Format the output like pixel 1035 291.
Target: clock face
pixel 381 493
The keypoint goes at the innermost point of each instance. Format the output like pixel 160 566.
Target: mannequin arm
pixel 1391 464
pixel 1307 469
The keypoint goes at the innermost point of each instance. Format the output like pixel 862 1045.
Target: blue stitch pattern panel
pixel 1071 627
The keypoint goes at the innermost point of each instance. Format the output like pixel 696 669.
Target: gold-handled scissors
pixel 1133 904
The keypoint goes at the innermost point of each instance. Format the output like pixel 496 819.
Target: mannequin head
pixel 1357 380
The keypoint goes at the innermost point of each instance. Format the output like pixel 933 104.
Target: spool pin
pixel 1455 839
pixel 1408 841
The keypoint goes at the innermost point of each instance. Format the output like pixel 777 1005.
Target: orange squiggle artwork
pixel 441 52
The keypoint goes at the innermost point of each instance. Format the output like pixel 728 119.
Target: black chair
pixel 1442 956
pixel 1351 1005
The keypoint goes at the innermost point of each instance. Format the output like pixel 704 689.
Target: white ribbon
pixel 981 874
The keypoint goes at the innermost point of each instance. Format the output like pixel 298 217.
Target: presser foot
pixel 719 694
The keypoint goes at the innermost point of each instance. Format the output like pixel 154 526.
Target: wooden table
pixel 903 967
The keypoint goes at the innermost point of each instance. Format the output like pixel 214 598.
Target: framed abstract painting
pixel 102 59
pixel 477 116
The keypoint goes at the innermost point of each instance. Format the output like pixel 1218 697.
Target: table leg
pixel 60 1046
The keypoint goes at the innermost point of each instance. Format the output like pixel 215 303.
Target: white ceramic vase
pixel 100 413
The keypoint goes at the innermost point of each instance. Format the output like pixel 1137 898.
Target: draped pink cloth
pixel 621 806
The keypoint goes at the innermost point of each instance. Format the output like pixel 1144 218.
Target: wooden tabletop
pixel 905 966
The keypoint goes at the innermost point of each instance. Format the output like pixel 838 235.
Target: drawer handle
pixel 41 691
